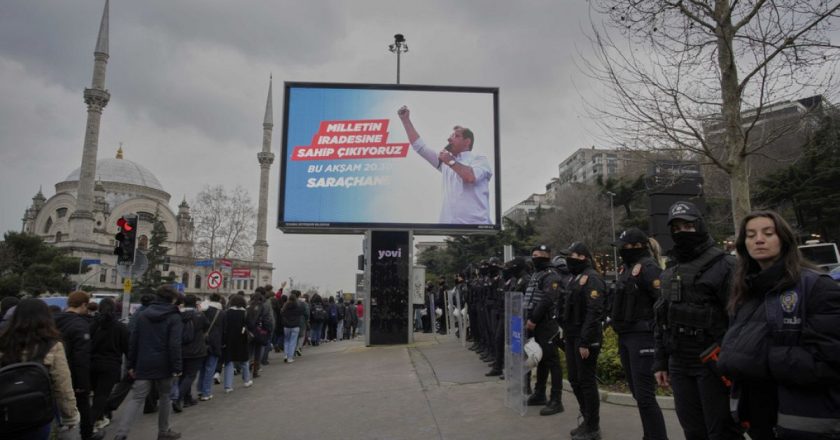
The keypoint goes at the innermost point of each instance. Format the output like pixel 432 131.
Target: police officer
pixel 631 314
pixel 583 314
pixel 690 319
pixel 497 311
pixel 514 279
pixel 540 300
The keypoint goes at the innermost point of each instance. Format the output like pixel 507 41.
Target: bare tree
pixel 577 218
pixel 681 73
pixel 224 223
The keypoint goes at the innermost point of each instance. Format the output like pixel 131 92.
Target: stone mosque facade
pixel 81 217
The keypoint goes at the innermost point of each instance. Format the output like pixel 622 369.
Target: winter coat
pixel 235 336
pixel 61 383
pixel 350 317
pixel 75 331
pixel 214 335
pixel 787 342
pixel 262 316
pixel 154 347
pixel 197 347
pixel 109 342
pixel 292 313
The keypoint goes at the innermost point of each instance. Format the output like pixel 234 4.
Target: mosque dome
pixel 121 171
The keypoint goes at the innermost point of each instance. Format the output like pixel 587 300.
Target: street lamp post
pixel 612 221
pixel 399 46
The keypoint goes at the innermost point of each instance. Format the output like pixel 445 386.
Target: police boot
pixel 554 405
pixel 538 397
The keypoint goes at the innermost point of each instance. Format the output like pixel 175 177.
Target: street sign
pixel 214 279
pixel 91 261
pixel 225 263
pixel 127 285
pixel 241 272
pixel 204 263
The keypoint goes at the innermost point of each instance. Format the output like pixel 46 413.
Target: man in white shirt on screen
pixel 466 176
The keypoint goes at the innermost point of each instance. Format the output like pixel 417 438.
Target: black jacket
pixel 585 309
pixel 235 336
pixel 197 348
pixel 154 347
pixel 790 338
pixel 292 314
pixel 75 332
pixel 214 336
pixel 637 289
pixel 109 342
pixel 540 300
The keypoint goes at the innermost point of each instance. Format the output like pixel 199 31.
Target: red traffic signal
pixel 124 224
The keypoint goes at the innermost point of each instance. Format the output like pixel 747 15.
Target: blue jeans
pixel 246 373
pixel 205 376
pixel 290 341
pixel 315 334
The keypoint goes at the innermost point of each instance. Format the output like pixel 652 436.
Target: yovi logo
pixel 395 253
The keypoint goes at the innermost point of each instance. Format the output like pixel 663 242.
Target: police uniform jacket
pixel 690 313
pixel 789 339
pixel 636 292
pixel 585 308
pixel 541 296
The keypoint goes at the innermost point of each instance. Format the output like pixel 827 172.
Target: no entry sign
pixel 214 279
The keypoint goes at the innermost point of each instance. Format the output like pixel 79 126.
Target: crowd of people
pixel 169 356
pixel 748 343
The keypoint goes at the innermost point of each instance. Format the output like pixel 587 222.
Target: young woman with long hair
pixel 782 349
pixel 31 336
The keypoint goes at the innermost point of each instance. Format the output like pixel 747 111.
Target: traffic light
pixel 126 239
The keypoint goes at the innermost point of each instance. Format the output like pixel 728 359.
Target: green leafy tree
pixel 29 265
pixel 626 192
pixel 156 254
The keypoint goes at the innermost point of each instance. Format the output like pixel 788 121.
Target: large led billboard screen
pixel 365 156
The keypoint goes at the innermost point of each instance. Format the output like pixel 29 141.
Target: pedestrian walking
pixel 235 353
pixel 292 315
pixel 30 335
pixel 216 316
pixel 154 359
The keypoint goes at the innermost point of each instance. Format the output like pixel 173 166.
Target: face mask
pixel 541 263
pixel 576 267
pixel 689 244
pixel 631 256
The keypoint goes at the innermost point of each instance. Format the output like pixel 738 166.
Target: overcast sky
pixel 188 82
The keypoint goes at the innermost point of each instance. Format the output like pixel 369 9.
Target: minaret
pixel 266 158
pixel 96 98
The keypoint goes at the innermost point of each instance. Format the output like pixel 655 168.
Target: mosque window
pixel 58 237
pixel 103 275
pixel 143 243
pixel 113 277
pixel 197 281
pixel 48 226
pixel 185 279
pixel 252 284
pixel 61 212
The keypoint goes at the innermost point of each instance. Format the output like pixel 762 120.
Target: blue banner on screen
pixel 364 156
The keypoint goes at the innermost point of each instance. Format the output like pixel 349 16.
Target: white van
pixel 824 255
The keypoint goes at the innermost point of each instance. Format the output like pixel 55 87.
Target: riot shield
pixel 515 368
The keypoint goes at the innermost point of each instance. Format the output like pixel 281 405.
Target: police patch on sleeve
pixel 555 285
pixel 594 294
pixel 657 283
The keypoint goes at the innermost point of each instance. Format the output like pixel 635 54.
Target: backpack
pixel 333 311
pixel 318 313
pixel 26 398
pixel 188 333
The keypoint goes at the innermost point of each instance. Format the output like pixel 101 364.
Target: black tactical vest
pixel 688 311
pixel 631 301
